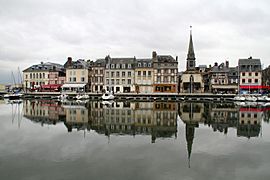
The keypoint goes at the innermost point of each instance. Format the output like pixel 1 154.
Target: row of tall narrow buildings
pixel 158 74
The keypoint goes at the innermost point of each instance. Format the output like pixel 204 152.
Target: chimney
pixel 250 57
pixel 154 54
pixel 69 60
pixel 176 58
pixel 227 64
pixel 216 64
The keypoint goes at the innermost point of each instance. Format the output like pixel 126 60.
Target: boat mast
pixel 13 79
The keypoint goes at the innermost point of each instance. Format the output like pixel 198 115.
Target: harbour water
pixel 45 139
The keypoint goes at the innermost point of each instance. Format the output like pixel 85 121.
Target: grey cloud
pixel 35 30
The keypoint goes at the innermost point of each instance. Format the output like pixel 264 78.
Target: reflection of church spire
pixel 190 131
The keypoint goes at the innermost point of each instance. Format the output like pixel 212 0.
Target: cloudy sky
pixel 32 31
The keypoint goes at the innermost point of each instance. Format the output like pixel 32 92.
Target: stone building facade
pixel 120 75
pixel 165 73
pixel 144 76
pixel 97 75
pixel 250 75
pixel 77 75
pixel 43 74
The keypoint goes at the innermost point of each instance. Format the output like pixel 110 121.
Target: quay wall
pixel 141 95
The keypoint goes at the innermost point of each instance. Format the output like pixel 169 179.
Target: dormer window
pixel 144 65
pixel 129 66
pixel 139 64
pixel 149 64
pixel 123 66
pixel 112 66
pixel 117 66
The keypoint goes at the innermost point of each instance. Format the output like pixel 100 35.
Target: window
pixel 70 79
pixel 117 74
pixel 165 70
pixel 165 79
pixel 74 79
pixel 96 79
pixel 158 71
pixel 243 81
pixel 158 79
pixel 117 66
pixel 74 72
pixel 139 64
pixel 172 79
pixel 26 76
pixel 129 74
pixel 82 79
pixel 250 74
pixel 70 72
pixel 107 74
pixel 112 66
pixel 112 81
pixel 96 72
pixel 112 74
pixel 144 73
pixel 123 81
pixel 256 74
pixel 139 73
pixel 149 73
pixel 43 75
pixel 101 71
pixel 123 66
pixel 101 79
pixel 243 74
pixel 107 81
pixel 129 66
pixel 129 81
pixel 172 70
pixel 249 80
pixel 117 81
pixel 123 74
pixel 256 80
pixel 149 64
pixel 144 65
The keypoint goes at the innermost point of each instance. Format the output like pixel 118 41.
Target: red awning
pixel 51 86
pixel 251 87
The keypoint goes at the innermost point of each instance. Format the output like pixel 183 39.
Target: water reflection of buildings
pixel 132 118
pixel 44 111
pixel 120 118
pixel 249 121
pixel 221 117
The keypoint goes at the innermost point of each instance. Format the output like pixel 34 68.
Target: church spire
pixel 191 55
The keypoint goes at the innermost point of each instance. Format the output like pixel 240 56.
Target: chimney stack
pixel 154 54
pixel 227 64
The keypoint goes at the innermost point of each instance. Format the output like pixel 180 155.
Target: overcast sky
pixel 32 31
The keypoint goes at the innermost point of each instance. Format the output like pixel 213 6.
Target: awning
pixel 73 85
pixel 219 86
pixel 254 87
pixel 51 86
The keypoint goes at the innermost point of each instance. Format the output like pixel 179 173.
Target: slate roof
pixel 48 66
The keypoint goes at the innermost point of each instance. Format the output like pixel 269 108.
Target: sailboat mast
pixel 13 79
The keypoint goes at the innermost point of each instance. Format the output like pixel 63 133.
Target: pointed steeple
pixel 191 55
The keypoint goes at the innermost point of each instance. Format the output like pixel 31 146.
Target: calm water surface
pixel 134 140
